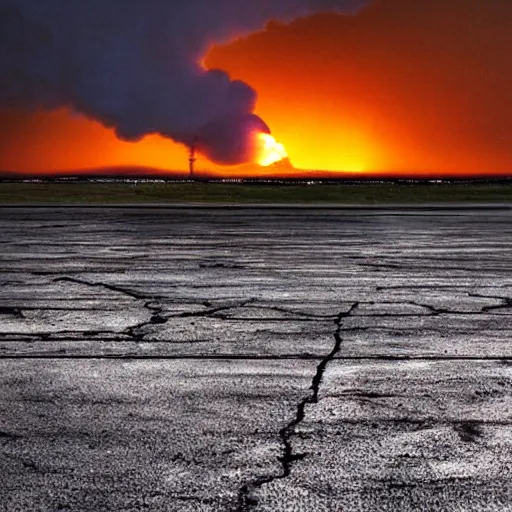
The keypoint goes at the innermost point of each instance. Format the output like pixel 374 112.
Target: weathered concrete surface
pixel 254 359
pixel 162 435
pixel 404 436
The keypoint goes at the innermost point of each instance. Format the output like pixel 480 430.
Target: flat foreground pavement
pixel 255 359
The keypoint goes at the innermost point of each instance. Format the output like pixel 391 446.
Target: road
pixel 255 359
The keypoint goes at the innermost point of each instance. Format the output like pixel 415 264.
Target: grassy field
pixel 208 193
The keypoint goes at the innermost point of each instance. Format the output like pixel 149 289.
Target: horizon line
pixel 256 173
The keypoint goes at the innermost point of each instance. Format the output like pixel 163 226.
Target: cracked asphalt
pixel 266 359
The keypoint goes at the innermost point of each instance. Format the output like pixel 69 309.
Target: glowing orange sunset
pixel 403 87
pixel 255 255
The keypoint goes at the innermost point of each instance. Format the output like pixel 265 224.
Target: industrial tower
pixel 192 159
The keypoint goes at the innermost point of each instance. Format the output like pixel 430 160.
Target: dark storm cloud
pixel 136 65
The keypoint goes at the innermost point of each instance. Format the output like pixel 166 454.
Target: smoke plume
pixel 135 65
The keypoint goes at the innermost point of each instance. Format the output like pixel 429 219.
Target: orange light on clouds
pixel 63 141
pixel 407 87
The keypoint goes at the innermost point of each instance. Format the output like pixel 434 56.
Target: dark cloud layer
pixel 135 65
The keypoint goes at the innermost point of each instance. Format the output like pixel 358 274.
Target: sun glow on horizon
pixel 425 93
pixel 269 151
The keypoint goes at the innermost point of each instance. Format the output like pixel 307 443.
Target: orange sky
pixel 421 85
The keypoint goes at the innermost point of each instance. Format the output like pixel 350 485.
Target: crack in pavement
pixel 155 309
pixel 436 311
pixel 214 313
pixel 506 302
pixel 12 311
pixel 246 497
pixel 111 287
pixel 210 312
pixel 155 319
pixel 433 310
pixel 63 336
pixel 158 317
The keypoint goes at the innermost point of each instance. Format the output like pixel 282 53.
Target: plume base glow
pixel 269 151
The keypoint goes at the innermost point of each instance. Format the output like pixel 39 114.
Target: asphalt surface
pixel 255 359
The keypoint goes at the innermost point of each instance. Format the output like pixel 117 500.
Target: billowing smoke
pixel 135 65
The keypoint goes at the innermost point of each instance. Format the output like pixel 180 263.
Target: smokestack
pixel 192 159
pixel 136 65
